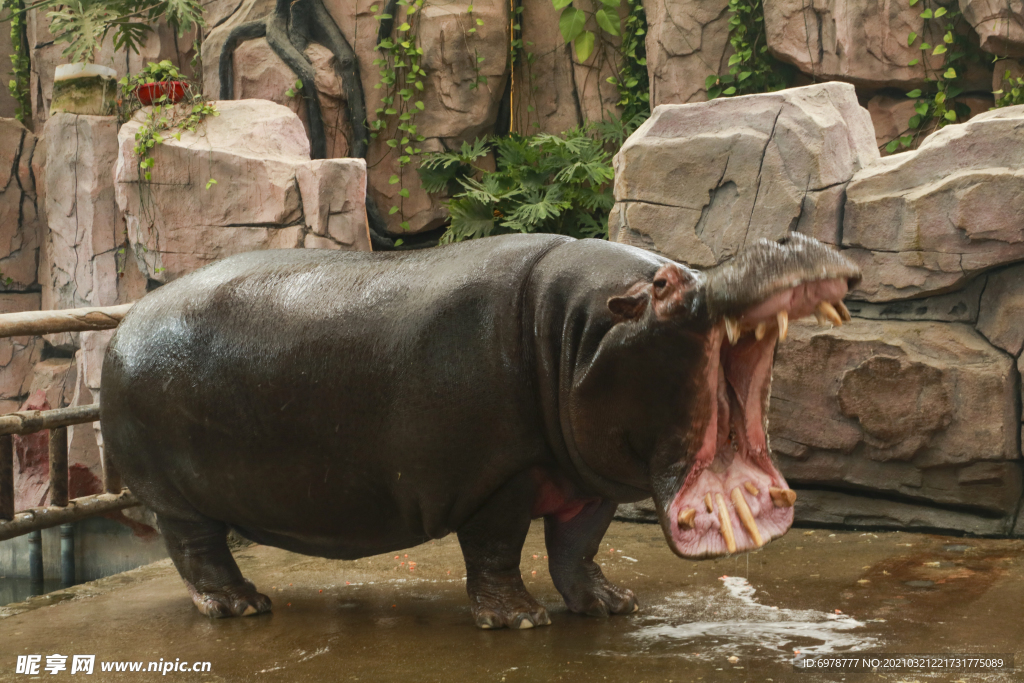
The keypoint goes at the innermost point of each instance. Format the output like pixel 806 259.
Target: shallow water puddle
pixel 732 621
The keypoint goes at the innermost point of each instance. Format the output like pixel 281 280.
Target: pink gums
pixel 734 450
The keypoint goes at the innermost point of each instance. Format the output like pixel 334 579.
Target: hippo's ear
pixel 669 288
pixel 629 306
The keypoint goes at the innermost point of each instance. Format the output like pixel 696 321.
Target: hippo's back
pixel 317 377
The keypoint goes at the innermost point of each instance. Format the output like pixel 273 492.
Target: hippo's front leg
pixel 572 544
pixel 492 545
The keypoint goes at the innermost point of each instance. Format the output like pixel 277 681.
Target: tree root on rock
pixel 289 30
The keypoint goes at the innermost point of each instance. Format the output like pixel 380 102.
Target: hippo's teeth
pixel 707 502
pixel 783 498
pixel 723 517
pixel 743 510
pixel 829 312
pixel 782 317
pixel 750 488
pixel 685 518
pixel 760 330
pixel 732 330
pixel 844 312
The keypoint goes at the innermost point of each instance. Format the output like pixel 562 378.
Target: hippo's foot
pixel 596 596
pixel 505 603
pixel 237 600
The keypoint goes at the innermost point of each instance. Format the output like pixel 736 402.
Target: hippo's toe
pixel 241 600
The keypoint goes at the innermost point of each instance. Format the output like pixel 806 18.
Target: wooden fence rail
pixel 61 510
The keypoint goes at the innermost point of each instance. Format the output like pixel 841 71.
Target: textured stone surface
pixel 332 200
pixel 8 104
pixel 258 153
pixel 548 85
pixel 1001 318
pixel 85 227
pixel 18 355
pixel 686 42
pixel 860 512
pixel 22 222
pixel 862 42
pixel 260 74
pixel 923 222
pixel 999 24
pixel 960 306
pixel 755 166
pixel 924 411
pixel 251 149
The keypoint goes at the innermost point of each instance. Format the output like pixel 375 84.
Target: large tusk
pixel 760 330
pixel 828 310
pixel 743 510
pixel 844 312
pixel 685 518
pixel 783 498
pixel 723 517
pixel 782 317
pixel 732 330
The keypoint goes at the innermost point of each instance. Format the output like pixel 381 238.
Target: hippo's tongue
pixel 734 498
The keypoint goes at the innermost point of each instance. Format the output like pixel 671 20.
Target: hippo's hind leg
pixel 492 544
pixel 199 550
pixel 571 545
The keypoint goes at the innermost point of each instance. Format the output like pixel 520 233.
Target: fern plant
pixel 542 183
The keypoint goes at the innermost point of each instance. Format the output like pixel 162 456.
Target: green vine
pixel 164 118
pixel 401 79
pixel 1011 93
pixel 632 81
pixel 19 84
pixel 751 68
pixel 936 105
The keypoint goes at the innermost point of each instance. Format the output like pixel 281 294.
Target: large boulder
pixel 924 222
pixel 920 412
pixel 686 43
pixel 697 182
pixel 862 42
pixel 254 150
pixel 999 24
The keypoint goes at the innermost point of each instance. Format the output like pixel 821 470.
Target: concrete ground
pixel 407 618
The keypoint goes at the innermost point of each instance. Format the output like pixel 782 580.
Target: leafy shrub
pixel 542 183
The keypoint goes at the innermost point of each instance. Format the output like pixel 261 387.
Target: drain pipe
pixel 67 555
pixel 35 561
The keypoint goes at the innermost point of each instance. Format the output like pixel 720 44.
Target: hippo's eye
pixel 660 283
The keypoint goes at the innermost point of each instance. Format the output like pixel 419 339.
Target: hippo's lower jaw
pixel 734 499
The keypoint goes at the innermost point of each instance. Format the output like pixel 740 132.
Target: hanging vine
pixel 19 84
pixel 401 79
pixel 751 68
pixel 936 105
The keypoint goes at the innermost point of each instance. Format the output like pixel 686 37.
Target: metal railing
pixel 61 511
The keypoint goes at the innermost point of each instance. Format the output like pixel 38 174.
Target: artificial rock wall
pixel 78 228
pixel 910 415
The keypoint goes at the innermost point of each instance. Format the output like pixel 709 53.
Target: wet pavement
pixel 406 618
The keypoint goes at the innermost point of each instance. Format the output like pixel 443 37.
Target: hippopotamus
pixel 343 404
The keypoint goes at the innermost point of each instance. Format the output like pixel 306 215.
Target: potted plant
pixel 158 80
pixel 88 88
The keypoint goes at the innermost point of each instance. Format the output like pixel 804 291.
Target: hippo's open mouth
pixel 734 498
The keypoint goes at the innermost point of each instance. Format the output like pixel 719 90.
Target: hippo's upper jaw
pixel 732 497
